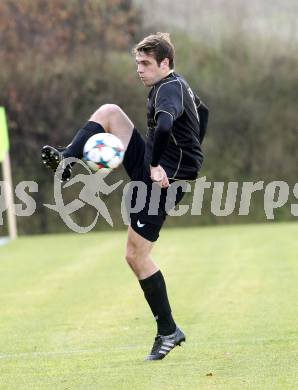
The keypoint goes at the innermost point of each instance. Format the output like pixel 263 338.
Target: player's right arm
pixel 168 107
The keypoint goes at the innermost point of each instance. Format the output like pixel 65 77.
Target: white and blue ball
pixel 103 150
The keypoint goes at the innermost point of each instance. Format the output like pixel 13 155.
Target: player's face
pixel 148 69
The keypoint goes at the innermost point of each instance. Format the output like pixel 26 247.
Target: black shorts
pixel 156 202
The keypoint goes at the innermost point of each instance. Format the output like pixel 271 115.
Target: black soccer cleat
pixel 52 157
pixel 164 344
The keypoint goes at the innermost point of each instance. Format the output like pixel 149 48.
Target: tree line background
pixel 61 60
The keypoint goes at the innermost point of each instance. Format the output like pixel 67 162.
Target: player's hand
pixel 158 175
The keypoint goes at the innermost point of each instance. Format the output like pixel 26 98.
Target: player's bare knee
pixel 105 112
pixel 130 257
pixel 110 110
pixel 142 254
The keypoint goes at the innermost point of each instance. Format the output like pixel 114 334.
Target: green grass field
pixel 72 315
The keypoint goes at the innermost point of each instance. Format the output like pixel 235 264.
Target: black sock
pixel 75 149
pixel 155 293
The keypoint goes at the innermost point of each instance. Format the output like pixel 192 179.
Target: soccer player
pixel 171 151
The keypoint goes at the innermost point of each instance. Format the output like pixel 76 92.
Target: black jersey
pixel 183 157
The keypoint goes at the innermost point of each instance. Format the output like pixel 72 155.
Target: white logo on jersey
pixel 191 94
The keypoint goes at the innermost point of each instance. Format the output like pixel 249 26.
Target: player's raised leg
pixel 108 118
pixel 114 120
pixel 138 256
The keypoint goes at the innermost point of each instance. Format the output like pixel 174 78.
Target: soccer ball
pixel 103 150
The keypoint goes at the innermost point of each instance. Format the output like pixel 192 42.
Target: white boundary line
pixel 59 353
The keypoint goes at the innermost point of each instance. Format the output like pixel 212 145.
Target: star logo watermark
pixel 94 186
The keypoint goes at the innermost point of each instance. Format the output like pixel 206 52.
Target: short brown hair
pixel 158 45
